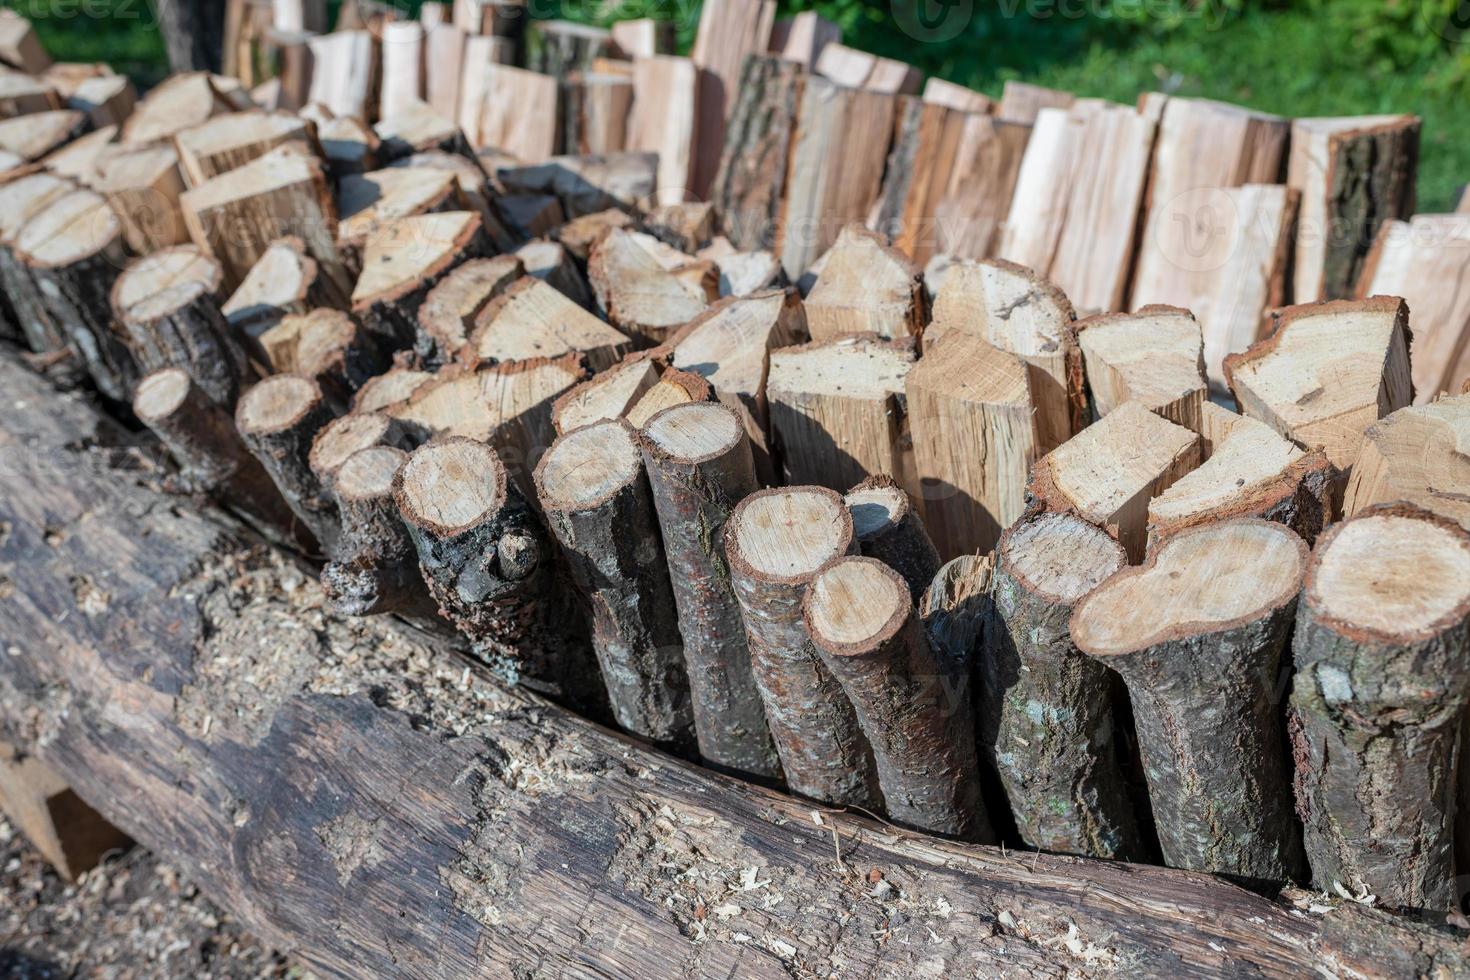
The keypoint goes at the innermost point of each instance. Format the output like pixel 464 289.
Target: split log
pixel 444 51
pixel 836 409
pixel 743 273
pixel 971 212
pixel 374 568
pixel 1204 669
pixel 79 159
pixel 956 607
pixel 144 185
pixel 970 413
pixel 345 436
pixel 1419 455
pixel 699 465
pixel 416 127
pixel 450 309
pixel 278 419
pixel 1420 260
pixel 174 105
pixel 204 610
pixel 370 202
pixel 1382 680
pixel 326 346
pixel 107 100
pixel 402 86
pixel 211 457
pixel 852 68
pixel 529 216
pixel 344 73
pixel 861 618
pixel 474 188
pixel 349 147
pixel 21 95
pixel 72 837
pixel 598 504
pixel 20 48
pixel 488 564
pixel 168 306
pixel 1022 102
pixel 920 166
pixel 1154 356
pixel 589 183
pixel 481 52
pixel 802 37
pixel 1038 209
pixel 237 216
pixel 836 168
pixel 73 251
pixel 390 390
pixel 665 120
pixel 594 113
pixel 21 200
pixel 29 138
pixel 530 319
pixel 1202 150
pixel 550 262
pixel 674 387
pixel 937 91
pixel 1108 472
pixel 225 142
pixel 729 31
pixel 887 527
pixel 749 186
pixel 282 282
pixel 1327 372
pixel 643 37
pixel 610 394
pixel 775 542
pixel 560 47
pixel 1017 311
pixel 865 287
pixel 520 113
pixel 578 235
pixel 685 225
pixel 1353 174
pixel 635 293
pixel 729 345
pixel 1047 712
pixel 1251 471
pixel 402 262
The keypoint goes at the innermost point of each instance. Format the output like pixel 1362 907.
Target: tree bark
pixel 1047 711
pixel 611 540
pixel 278 419
pixel 183 327
pixel 693 494
pixel 888 529
pixel 362 762
pixel 1375 717
pixel 923 743
pixel 749 186
pixel 193 33
pixel 821 746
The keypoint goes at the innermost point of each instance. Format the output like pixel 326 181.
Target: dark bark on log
pixel 693 496
pixel 1375 718
pixel 376 805
pixel 211 457
pixel 749 186
pixel 1207 708
pixel 923 744
pixel 893 532
pixel 1370 180
pixel 1047 713
pixel 184 328
pixel 43 335
pixel 278 419
pixel 193 33
pixel 956 608
pixel 821 746
pixel 495 576
pixel 610 537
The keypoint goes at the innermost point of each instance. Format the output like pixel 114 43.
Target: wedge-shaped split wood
pixel 970 413
pixel 1154 357
pixel 1047 711
pixel 1382 681
pixel 595 110
pixel 450 309
pixel 971 210
pixel 531 319
pixel 278 419
pixel 29 138
pixel 344 72
pixel 1108 472
pixel 143 185
pixel 487 562
pixel 1012 308
pixel 21 200
pixel 520 113
pixel 636 294
pixel 589 183
pixel 282 282
pixel 20 48
pixel 888 527
pixel 598 504
pixel 665 120
pixel 419 128
pixel 552 263
pixel 349 146
pixel 327 346
pixel 1328 372
pixel 79 159
pixel 862 620
pixel 729 32
pixel 401 87
pixel 776 541
pixel 22 95
pixel 402 262
pixel 1419 454
pixel 674 387
pixel 866 286
pixel 1021 101
pixel 226 142
pixel 1199 633
pixel 237 216
pixel 368 202
pixel 836 409
pixel 610 394
pixel 174 105
pixel 1353 174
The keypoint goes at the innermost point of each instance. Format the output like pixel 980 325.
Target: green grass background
pixel 1298 58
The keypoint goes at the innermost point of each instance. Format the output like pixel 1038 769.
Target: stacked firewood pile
pixel 744 399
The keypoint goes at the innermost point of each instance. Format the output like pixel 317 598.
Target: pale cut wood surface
pixel 225 142
pixel 852 601
pixel 368 202
pixel 609 395
pixel 865 286
pixel 444 51
pixel 402 255
pixel 970 214
pixel 1022 102
pixel 278 284
pixel 1420 454
pixel 952 96
pixel 1328 372
pixel 1109 471
pixel 31 137
pixel 787 535
pixel 1393 575
pixel 520 113
pixel 1038 208
pixel 585 466
pixel 144 185
pixel 728 31
pixel 179 102
pixel 1154 356
pixel 1060 557
pixel 160 272
pixel 402 66
pixel 674 387
pixel 343 72
pixel 448 486
pixel 664 120
pixel 532 319
pixel 636 293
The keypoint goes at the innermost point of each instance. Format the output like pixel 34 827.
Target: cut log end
pixel 694 433
pixel 343 437
pixel 588 466
pixel 276 404
pixel 1060 557
pixel 161 394
pixel 368 473
pixel 856 605
pixel 448 487
pixel 784 535
pixel 1394 575
pixel 1204 580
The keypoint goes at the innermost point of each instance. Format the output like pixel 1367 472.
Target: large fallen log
pixel 379 806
